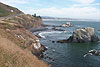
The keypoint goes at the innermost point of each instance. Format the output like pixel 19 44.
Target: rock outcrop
pixel 82 35
pixel 68 24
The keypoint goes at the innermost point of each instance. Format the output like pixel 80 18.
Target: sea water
pixel 69 54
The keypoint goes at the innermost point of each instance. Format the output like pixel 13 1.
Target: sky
pixel 79 9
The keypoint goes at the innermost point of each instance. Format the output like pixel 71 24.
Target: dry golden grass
pixel 12 55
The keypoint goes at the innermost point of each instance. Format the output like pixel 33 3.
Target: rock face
pixel 82 35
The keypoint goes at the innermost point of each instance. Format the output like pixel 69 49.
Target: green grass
pixel 3 12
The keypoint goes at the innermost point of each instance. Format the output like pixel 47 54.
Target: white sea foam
pixel 40 34
pixel 48 32
pixel 51 32
pixel 68 31
pixel 54 50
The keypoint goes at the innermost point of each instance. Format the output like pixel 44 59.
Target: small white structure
pixel 12 10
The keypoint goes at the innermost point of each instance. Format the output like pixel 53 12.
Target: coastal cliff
pixel 18 46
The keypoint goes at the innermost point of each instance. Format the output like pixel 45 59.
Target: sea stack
pixel 82 35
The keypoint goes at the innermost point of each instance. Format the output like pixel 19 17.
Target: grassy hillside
pixel 18 46
pixel 6 10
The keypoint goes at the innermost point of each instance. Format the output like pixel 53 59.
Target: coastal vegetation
pixel 6 10
pixel 18 46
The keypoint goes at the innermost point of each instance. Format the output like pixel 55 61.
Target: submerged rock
pixel 53 41
pixel 54 28
pixel 93 52
pixel 98 31
pixel 82 35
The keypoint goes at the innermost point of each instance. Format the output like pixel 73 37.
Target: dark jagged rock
pixel 82 35
pixel 54 28
pixel 39 53
pixel 98 30
pixel 53 41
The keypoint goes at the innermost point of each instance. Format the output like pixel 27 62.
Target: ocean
pixel 69 54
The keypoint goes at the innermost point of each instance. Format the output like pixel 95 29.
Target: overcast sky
pixel 82 9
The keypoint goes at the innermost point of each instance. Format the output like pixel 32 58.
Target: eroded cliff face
pixel 18 28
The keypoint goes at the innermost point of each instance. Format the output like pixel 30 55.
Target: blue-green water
pixel 70 54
